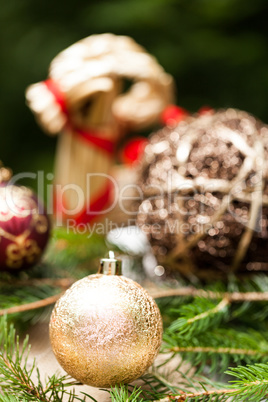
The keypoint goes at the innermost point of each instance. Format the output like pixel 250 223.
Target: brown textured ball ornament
pixel 205 187
pixel 24 226
pixel 106 329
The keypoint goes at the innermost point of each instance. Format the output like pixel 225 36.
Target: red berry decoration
pixel 205 110
pixel 133 150
pixel 24 226
pixel 173 114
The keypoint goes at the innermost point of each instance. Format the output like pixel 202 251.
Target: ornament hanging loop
pixel 110 266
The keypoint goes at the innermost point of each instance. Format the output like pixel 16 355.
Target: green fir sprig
pixel 198 316
pixel 210 328
pixel 123 393
pixel 219 348
pixel 16 373
pixel 251 382
pixel 69 257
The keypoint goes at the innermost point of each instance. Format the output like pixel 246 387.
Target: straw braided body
pixel 90 75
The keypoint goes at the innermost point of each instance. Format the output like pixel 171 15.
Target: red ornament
pixel 205 110
pixel 24 228
pixel 173 114
pixel 133 150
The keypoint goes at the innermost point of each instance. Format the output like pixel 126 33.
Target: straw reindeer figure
pixel 84 100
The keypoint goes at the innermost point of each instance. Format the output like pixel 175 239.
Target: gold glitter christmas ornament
pixel 106 329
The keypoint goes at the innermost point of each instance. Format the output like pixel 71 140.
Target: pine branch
pixel 189 387
pixel 207 334
pixel 10 398
pixel 32 306
pixel 213 329
pixel 251 385
pixel 219 348
pixel 21 302
pixel 74 254
pixel 63 283
pixel 122 394
pixel 251 382
pixel 211 350
pixel 60 254
pixel 235 297
pixel 16 373
pixel 198 316
pixel 63 264
pixel 237 290
pixel 157 386
pixel 214 395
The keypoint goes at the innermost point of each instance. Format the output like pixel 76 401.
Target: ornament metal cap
pixel 110 266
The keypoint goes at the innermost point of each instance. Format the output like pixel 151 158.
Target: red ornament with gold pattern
pixel 24 226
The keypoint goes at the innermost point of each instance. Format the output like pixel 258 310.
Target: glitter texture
pixel 24 228
pixel 105 330
pixel 205 187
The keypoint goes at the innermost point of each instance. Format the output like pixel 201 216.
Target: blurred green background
pixel 215 49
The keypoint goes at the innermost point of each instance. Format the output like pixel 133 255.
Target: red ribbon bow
pixel 92 136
